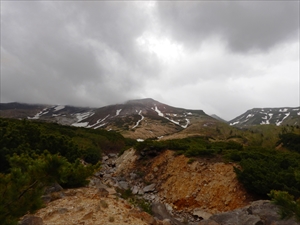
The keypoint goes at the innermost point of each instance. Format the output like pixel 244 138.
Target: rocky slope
pixel 197 193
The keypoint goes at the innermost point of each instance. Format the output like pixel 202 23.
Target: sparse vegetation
pixel 103 204
pixel 288 206
pixel 135 200
pixel 35 154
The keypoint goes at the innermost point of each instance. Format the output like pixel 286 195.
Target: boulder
pixel 149 188
pixel 260 212
pixel 123 185
pixel 159 211
pixel 31 220
pixel 135 190
pixel 201 214
pixel 102 192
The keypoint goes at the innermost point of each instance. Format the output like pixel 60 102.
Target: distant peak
pixel 142 101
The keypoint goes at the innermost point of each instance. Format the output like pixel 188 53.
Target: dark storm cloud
pixel 72 51
pixel 95 53
pixel 243 25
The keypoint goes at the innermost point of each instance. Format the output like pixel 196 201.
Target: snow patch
pixel 38 115
pixel 173 121
pixel 95 125
pixel 83 124
pixel 83 116
pixel 158 111
pixel 80 117
pixel 59 107
pixel 283 110
pixel 101 125
pixel 231 124
pixel 118 112
pixel 250 115
pixel 279 122
pixel 138 122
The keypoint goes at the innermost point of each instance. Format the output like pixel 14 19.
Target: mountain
pixel 139 119
pixel 218 118
pixel 259 116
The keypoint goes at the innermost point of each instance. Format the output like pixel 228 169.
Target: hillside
pixel 138 119
pixel 199 168
pixel 261 116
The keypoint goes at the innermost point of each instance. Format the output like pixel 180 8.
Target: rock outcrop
pixel 260 212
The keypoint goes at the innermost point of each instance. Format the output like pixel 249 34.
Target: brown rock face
pixel 210 186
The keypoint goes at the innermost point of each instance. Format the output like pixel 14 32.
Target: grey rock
pixel 55 187
pixel 260 212
pixel 149 188
pixel 104 158
pixel 159 211
pixel 133 176
pixel 135 190
pixel 237 217
pixel 141 192
pixel 112 155
pixel 46 198
pixel 31 220
pixel 124 185
pixel 102 192
pixel 202 214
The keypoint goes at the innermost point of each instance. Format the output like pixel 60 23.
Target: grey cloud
pixel 70 51
pixel 243 25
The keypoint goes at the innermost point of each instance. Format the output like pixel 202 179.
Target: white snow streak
pixel 80 117
pixel 118 112
pixel 59 107
pixel 158 112
pixel 38 115
pixel 83 124
pixel 173 121
pixel 279 122
pixel 95 125
pixel 138 122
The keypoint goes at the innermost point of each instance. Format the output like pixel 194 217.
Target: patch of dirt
pixel 206 184
pixel 85 206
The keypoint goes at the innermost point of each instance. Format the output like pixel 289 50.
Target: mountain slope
pixel 259 116
pixel 139 119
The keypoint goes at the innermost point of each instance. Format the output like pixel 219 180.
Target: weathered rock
pixel 102 192
pixel 208 222
pixel 201 214
pixel 104 158
pixel 258 213
pixel 124 185
pixel 112 155
pixel 135 190
pixel 149 188
pixel 143 216
pixel 53 188
pixel 133 176
pixel 159 211
pixel 237 217
pixel 31 220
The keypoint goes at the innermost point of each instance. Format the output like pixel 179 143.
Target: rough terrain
pixel 202 192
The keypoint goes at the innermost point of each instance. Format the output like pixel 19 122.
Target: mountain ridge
pixel 260 116
pixel 145 118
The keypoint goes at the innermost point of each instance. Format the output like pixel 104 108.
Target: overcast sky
pixel 223 57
